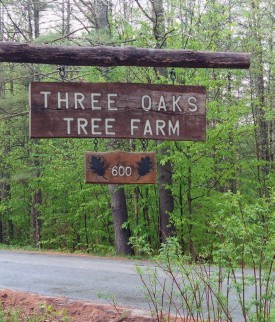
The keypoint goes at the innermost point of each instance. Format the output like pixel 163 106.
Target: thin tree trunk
pixel 35 217
pixel 259 110
pixel 190 212
pixel 36 199
pixel 136 198
pixel 1 232
pixel 66 17
pixel 1 23
pixel 5 190
pixel 166 201
pixel 36 18
pixel 86 231
pixel 30 20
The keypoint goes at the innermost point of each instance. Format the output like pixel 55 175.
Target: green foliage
pixel 207 292
pixel 140 244
pixel 245 231
pixel 221 188
pixel 43 313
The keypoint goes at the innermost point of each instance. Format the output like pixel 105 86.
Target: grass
pixel 67 251
pixel 40 314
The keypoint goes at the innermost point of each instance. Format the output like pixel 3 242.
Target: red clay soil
pixel 50 309
pixel 37 308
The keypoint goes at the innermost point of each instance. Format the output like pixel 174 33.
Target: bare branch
pixel 144 12
pixel 13 115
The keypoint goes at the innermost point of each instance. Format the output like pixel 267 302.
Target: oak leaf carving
pixel 98 166
pixel 144 166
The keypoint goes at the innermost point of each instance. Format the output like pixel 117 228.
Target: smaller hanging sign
pixel 120 167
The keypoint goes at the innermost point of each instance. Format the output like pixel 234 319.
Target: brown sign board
pixel 117 110
pixel 120 167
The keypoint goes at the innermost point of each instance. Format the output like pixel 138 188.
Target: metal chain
pixel 173 75
pixel 62 72
pixel 144 144
pixel 95 144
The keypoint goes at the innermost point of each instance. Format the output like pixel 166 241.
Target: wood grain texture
pixel 119 167
pixel 116 110
pixel 120 56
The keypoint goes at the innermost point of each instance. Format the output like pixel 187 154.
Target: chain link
pixel 95 144
pixel 62 72
pixel 144 144
pixel 173 75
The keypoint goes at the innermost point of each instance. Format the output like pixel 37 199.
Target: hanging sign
pixel 120 167
pixel 117 110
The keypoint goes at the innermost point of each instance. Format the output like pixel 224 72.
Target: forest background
pixel 214 197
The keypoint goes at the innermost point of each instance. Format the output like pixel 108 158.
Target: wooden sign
pixel 120 167
pixel 117 110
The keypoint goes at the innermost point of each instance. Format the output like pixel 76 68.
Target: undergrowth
pixel 41 313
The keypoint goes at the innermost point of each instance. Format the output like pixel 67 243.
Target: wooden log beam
pixel 120 56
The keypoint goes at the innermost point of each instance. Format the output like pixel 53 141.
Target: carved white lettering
pixel 81 125
pixel 174 129
pixel 109 126
pixel 147 128
pixel 111 102
pixel 146 103
pixel 68 120
pixel 95 101
pixel 46 104
pixel 194 106
pixel 133 125
pixel 78 99
pixel 160 125
pixel 61 100
pixel 95 126
pixel 176 103
pixel 162 104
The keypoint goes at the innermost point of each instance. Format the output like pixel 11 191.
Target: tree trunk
pixel 262 130
pixel 1 23
pixel 36 18
pixel 6 227
pixel 1 39
pixel 36 199
pixel 6 233
pixel 1 232
pixel 30 31
pixel 35 217
pixel 66 17
pixel 117 193
pixel 192 250
pixel 166 201
pixel 101 16
pixel 119 213
pixel 120 216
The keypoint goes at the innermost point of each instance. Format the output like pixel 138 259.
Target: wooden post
pixel 120 56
